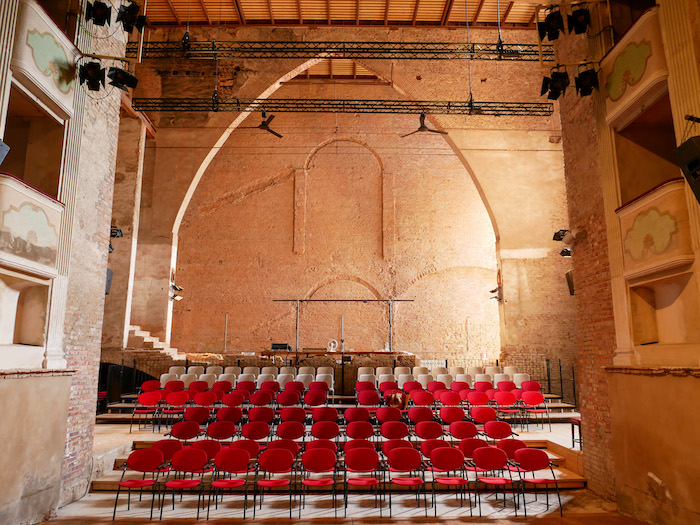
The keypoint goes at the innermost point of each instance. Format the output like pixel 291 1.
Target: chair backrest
pixel 359 430
pixel 394 430
pixel 429 430
pixel 357 443
pixel 270 386
pixel 175 386
pixel 325 378
pixel 270 370
pixel 233 399
pixel 150 398
pixel 362 370
pixel 291 370
pixel 531 459
pixel 445 378
pixel 509 446
pixel 293 414
pixel 245 378
pixel 168 447
pixel 199 415
pixel 287 398
pixel 177 399
pixel 427 446
pixel 221 430
pixel 145 460
pixel 225 381
pixel 400 370
pixel 388 414
pixel 364 385
pixel 165 379
pixel 325 414
pixel 306 379
pixel 483 377
pixel 424 379
pixel 356 414
pixel 410 386
pixel 483 386
pixel 463 430
pixel 325 430
pixel 519 378
pixel 498 429
pixel 422 397
pixel 381 370
pixel 250 446
pixel 315 398
pixel 177 370
pixel 276 460
pixel 505 386
pixel 297 386
pixel 307 370
pixel 232 460
pixel 451 414
pixel 254 370
pixel 255 430
pixel 210 379
pixel 419 414
pixel 150 385
pixel 532 398
pixel 510 370
pixel 404 460
pixel 215 369
pixel 403 378
pixel 437 370
pixel 475 370
pixel 264 377
pixel 455 370
pixel 232 414
pixel 492 370
pixel 447 459
pixel 235 370
pixel 386 378
pixel 261 398
pixel 325 370
pixel 469 445
pixel 448 397
pixel 490 458
pixel 531 386
pixel 420 370
pixel 391 444
pixel 483 414
pixel 283 379
pixel 458 386
pixel 318 460
pixel 369 378
pixel 264 414
pixel 361 459
pixel 497 378
pixel 504 398
pixel 290 430
pixel 205 399
pixel 466 378
pixel 434 386
pixel 477 398
pixel 386 386
pixel 185 430
pixel 321 443
pixel 368 397
pixel 196 370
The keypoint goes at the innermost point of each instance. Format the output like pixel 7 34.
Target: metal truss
pixel 301 105
pixel 377 50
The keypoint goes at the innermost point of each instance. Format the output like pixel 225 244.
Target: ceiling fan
pixel 423 127
pixel 265 124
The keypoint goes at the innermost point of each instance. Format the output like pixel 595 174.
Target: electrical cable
pixel 469 42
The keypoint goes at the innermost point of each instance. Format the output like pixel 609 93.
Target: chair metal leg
pixel 114 514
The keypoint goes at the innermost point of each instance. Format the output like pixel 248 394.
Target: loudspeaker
pixel 108 284
pixel 687 157
pixel 570 281
pixel 4 148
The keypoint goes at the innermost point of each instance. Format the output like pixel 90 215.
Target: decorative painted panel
pixel 29 222
pixel 44 59
pixel 655 231
pixel 634 73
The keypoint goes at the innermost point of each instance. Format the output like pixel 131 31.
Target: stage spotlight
pixel 579 20
pixel 559 235
pixel 215 100
pixel 565 252
pixel 553 23
pixel 115 232
pixel 586 82
pixel 129 17
pixel 99 12
pixel 176 288
pixel 92 74
pixel 556 85
pixel 175 297
pixel 185 42
pixel 122 79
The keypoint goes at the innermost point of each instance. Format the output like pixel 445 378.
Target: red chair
pixel 498 430
pixel 446 461
pixel 533 460
pixel 168 447
pixel 150 386
pixel 205 399
pixel 509 446
pixel 266 414
pixel 223 386
pixel 533 403
pixel 357 443
pixel 174 406
pixel 325 430
pixel 288 398
pixel 507 404
pixel 506 386
pixel 491 393
pixel 483 386
pixel 394 430
pixel 321 443
pixel 482 415
pixel 318 461
pixel 287 444
pixel 531 386
pixel 448 397
pixel 185 430
pixel 361 386
pixel 419 414
pixel 211 449
pixel 356 414
pixel 388 386
pixel 361 460
pixel 468 446
pixel 319 385
pixel 234 399
pixel 487 459
pixel 221 430
pixel 199 386
pixel 422 398
pixel 368 397
pixel 186 461
pixel 463 430
pixel 261 398
pixel 227 462
pixel 145 461
pixel 429 430
pixel 385 414
pixel 295 386
pixel 290 430
pixel 271 386
pixel 232 414
pixel 410 386
pixel 273 461
pixel 146 407
pixel 248 386
pixel 250 446
pixel 324 414
pixel 293 414
pixel 175 385
pixel 406 461
pixel 458 386
pixel 200 415
pixel 359 430
pixel 434 386
pixel 255 430
pixel 427 446
pixel 315 398
pixel 449 415
pixel 391 444
pixel 476 398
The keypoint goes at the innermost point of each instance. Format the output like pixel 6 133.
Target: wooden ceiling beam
pixel 386 12
pixel 446 12
pixel 328 11
pixel 170 5
pixel 478 10
pixel 505 15
pixel 415 12
pixel 357 12
pixel 272 15
pixel 301 18
pixel 206 13
pixel 239 11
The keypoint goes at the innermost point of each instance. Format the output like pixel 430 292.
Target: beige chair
pixel 245 377
pixel 483 377
pixel 424 379
pixel 385 378
pixel 164 378
pixel 289 370
pixel 368 377
pixel 228 377
pixel 403 378
pixel 307 379
pixel 177 370
pixel 455 370
pixel 283 379
pixel 325 370
pixel 445 378
pixel 519 378
pixel 188 379
pixel 510 370
pixel 464 378
pixel 196 370
pixel 251 370
pixel 235 370
pixel 215 369
pixel 363 370
pixel 420 370
pixel 381 370
pixel 500 377
pixel 437 370
pixel 270 370
pixel 492 370
pixel 402 370
pixel 328 379
pixel 474 370
pixel 310 370
pixel 264 377
pixel 209 378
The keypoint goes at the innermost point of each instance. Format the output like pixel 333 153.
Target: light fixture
pixel 556 85
pixel 565 252
pixel 586 82
pixel 553 23
pixel 99 12
pixel 128 15
pixel 175 297
pixel 122 79
pixel 215 100
pixel 115 232
pixel 579 20
pixel 175 287
pixel 559 235
pixel 185 42
pixel 93 75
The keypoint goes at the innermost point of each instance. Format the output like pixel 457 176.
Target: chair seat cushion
pixel 273 482
pixel 136 483
pixel 182 483
pixel 227 483
pixel 493 480
pixel 144 411
pixel 318 482
pixel 537 410
pixel 451 481
pixel 407 481
pixel 539 481
pixel 363 482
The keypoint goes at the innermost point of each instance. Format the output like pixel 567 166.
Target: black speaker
pixel 4 148
pixel 687 157
pixel 570 281
pixel 108 284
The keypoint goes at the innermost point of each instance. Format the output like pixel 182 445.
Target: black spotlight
pixel 92 74
pixel 579 20
pixel 122 79
pixel 185 41
pixel 556 85
pixel 129 17
pixel 553 23
pixel 99 12
pixel 559 235
pixel 565 252
pixel 586 82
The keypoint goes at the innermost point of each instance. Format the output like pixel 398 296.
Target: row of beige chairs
pixel 436 371
pixel 282 379
pixel 424 379
pixel 254 370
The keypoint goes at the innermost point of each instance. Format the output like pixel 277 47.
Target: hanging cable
pixel 498 19
pixel 469 43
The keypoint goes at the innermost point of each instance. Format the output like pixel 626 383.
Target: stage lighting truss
pixel 377 50
pixel 526 109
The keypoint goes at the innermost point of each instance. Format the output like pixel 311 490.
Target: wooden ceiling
pixel 419 13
